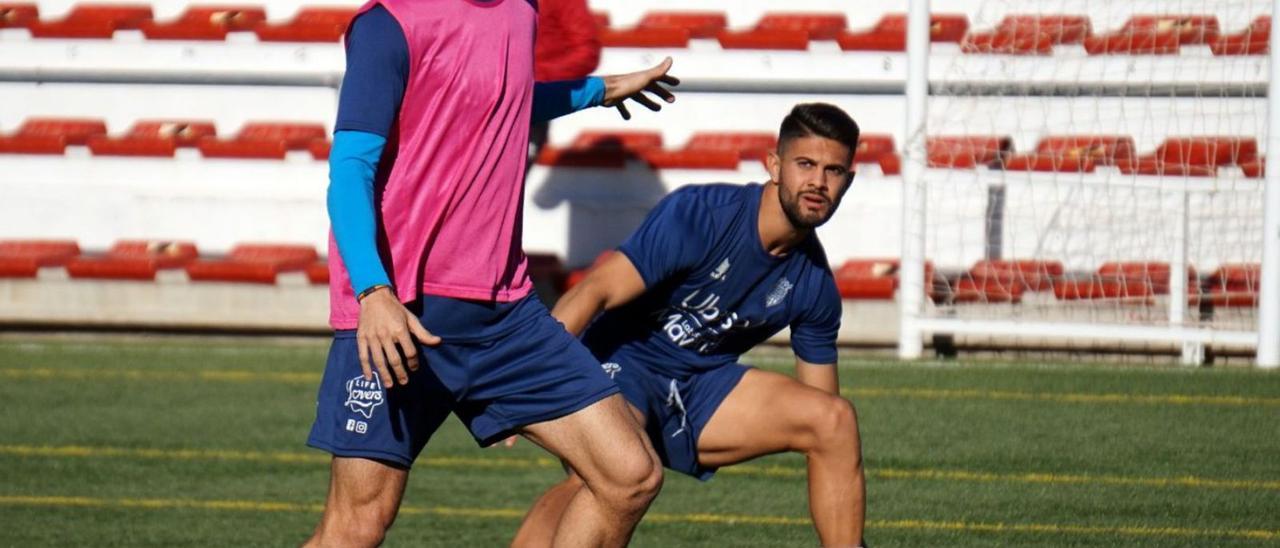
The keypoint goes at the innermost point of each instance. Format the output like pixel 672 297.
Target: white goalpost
pixel 1088 174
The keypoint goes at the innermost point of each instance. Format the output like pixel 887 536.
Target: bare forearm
pixel 577 307
pixel 822 377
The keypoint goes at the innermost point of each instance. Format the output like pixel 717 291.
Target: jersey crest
pixel 778 293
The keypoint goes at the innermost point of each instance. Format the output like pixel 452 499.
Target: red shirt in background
pixel 567 45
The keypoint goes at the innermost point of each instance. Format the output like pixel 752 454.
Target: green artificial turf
pixel 199 442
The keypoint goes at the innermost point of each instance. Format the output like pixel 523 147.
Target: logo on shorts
pixel 778 293
pixel 363 396
pixel 359 427
pixel 611 368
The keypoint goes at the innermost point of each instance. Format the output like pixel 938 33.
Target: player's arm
pixel 813 339
pixel 821 376
pixel 664 245
pixel 610 284
pixel 373 87
pixel 555 99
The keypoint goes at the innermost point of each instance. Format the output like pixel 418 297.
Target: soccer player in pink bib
pixel 430 297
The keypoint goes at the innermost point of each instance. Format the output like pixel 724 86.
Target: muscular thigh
pixel 765 413
pixel 366 487
pixel 600 442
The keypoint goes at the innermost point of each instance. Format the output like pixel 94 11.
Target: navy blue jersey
pixel 712 290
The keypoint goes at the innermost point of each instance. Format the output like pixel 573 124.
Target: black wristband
pixel 370 290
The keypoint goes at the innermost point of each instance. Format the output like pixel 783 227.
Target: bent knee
pixel 835 426
pixel 632 485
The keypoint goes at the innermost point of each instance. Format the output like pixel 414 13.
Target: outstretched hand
pixel 620 87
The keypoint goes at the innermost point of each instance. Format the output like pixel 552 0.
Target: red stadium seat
pixel 1155 274
pixel 153 138
pixel 206 23
pixel 1101 149
pixel 1155 34
pixel 631 140
pixel 890 163
pixel 1133 42
pixel 1074 153
pixel 76 131
pixel 318 273
pixel 691 159
pixel 967 151
pixel 1194 156
pixel 871 146
pixel 1149 165
pixel 986 290
pixel 878 149
pixel 1255 168
pixel 254 263
pixel 644 38
pixel 890 33
pixel 1061 29
pixel 1095 287
pixel 747 145
pixel 17 16
pixel 309 25
pixel 93 21
pixel 819 26
pixel 1234 285
pixel 698 24
pixel 164 254
pixel 1189 29
pixel 286 256
pixel 602 149
pixel 133 260
pixel 874 279
pixel 1005 42
pixel 264 140
pixel 320 149
pixel 614 158
pixel 779 39
pixel 1254 40
pixel 1032 274
pixel 296 136
pixel 868 279
pixel 51 135
pixel 1055 162
pixel 1208 151
pixel 1028 35
pixel 23 258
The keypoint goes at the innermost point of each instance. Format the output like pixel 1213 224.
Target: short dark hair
pixel 821 120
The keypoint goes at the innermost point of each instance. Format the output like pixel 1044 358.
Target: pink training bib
pixel 450 213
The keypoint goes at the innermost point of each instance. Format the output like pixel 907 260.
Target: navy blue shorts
pixel 528 370
pixel 676 409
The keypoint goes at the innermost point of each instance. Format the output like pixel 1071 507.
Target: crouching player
pixel 713 271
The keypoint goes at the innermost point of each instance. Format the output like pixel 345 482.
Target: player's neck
pixel 777 234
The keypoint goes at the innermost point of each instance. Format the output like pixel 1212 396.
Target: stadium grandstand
pixel 1081 174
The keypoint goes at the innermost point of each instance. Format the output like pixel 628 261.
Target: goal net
pixel 1092 176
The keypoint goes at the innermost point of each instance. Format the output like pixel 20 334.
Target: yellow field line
pixel 73 451
pixel 47 373
pixel 1006 395
pixel 44 373
pixel 697 518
